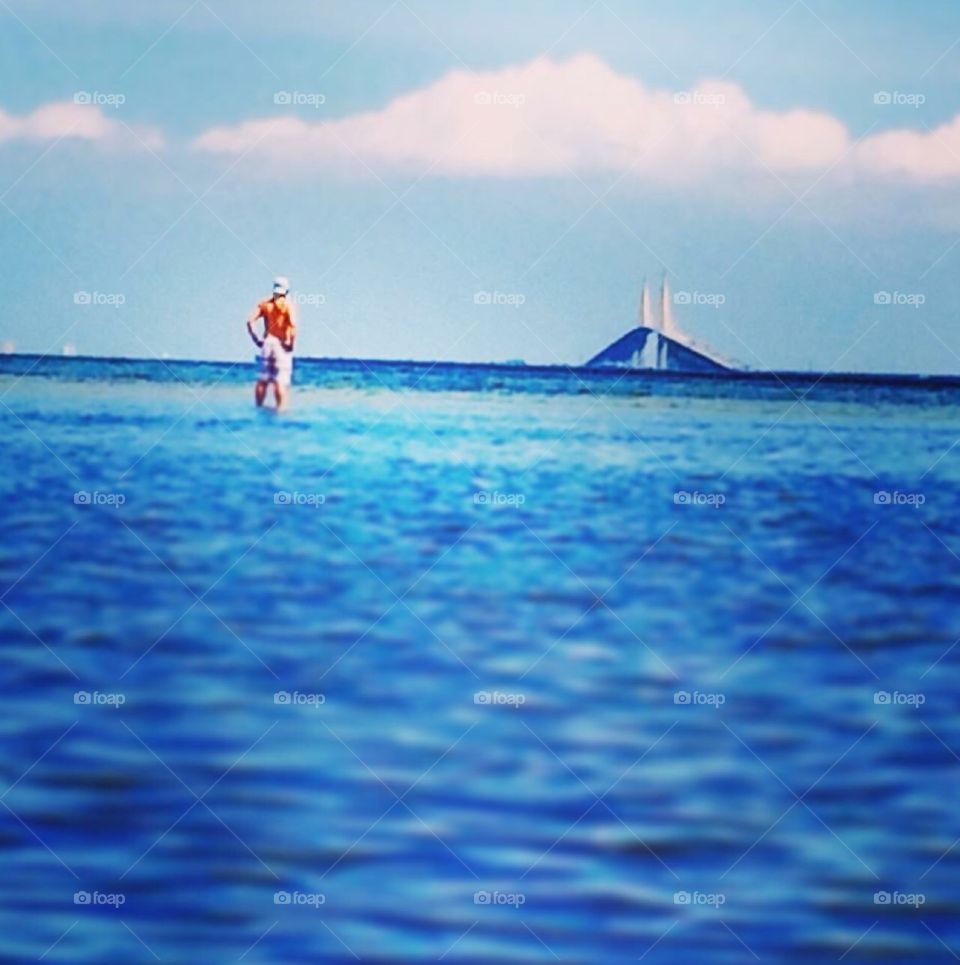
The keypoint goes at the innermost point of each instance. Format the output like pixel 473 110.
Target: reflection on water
pixel 518 667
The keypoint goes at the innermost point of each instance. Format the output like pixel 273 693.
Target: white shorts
pixel 276 363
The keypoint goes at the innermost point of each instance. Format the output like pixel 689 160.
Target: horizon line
pixel 862 377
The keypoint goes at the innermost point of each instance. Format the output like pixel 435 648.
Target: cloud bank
pixel 541 119
pixel 547 118
pixel 83 121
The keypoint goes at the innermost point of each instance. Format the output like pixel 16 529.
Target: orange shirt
pixel 278 318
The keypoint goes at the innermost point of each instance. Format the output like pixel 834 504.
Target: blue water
pixel 580 667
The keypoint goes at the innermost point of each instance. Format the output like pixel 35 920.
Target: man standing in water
pixel 276 346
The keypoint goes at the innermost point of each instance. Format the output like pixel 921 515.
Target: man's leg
pixel 280 394
pixel 260 392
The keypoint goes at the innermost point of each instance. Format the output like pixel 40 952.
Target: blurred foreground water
pixel 476 663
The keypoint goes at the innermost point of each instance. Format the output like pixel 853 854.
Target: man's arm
pixel 291 332
pixel 254 315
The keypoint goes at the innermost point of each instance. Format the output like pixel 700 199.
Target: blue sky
pixel 389 221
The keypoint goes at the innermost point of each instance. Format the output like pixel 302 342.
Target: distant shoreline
pixel 517 369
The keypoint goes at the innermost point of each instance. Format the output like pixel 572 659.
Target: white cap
pixel 281 285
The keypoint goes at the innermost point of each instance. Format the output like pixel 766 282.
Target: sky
pixel 483 181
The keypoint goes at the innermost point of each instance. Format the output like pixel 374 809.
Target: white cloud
pixel 548 118
pixel 924 156
pixel 70 120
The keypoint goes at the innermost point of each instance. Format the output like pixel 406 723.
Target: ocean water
pixel 472 663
